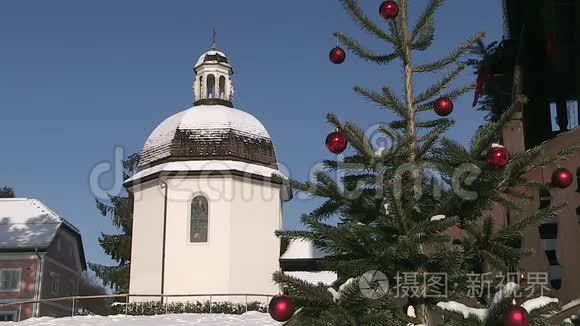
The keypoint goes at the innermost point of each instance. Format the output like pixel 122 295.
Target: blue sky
pixel 78 78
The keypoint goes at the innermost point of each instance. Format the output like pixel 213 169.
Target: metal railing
pixel 162 297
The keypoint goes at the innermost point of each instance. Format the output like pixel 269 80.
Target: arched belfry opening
pixel 210 86
pixel 222 88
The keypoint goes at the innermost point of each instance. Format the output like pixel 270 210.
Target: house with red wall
pixel 41 256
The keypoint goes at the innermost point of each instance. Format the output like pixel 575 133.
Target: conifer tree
pixel 119 208
pixel 397 205
pixel 6 192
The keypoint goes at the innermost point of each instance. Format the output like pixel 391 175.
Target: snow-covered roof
pixel 27 223
pixel 212 52
pixel 302 249
pixel 324 277
pixel 211 165
pixel 204 123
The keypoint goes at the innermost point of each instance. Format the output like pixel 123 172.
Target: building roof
pixel 302 249
pixel 27 224
pixel 206 132
pixel 324 277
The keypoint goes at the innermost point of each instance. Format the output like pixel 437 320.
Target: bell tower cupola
pixel 213 79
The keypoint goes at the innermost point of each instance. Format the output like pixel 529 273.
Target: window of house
pixel 578 179
pixel 573 120
pixel 10 279
pixel 199 219
pixel 54 283
pixel 8 315
pixel 569 110
pixel 545 198
pixel 554 116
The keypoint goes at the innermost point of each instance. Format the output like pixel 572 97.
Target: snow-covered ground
pixel 249 319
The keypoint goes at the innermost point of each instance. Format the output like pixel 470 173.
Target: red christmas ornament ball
pixel 281 308
pixel 497 156
pixel 561 178
pixel 443 106
pixel 389 9
pixel 336 142
pixel 337 55
pixel 516 316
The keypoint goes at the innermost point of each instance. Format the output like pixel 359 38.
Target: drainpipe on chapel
pixel 39 270
pixel 163 186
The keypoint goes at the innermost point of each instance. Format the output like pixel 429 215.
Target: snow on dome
pixel 204 124
pixel 212 52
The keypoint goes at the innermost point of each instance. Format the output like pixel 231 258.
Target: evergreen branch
pixel 387 101
pixel 333 119
pixel 439 85
pixel 118 246
pixel 442 122
pixel 293 234
pixel 454 151
pixel 327 185
pixel 398 124
pixel 546 160
pixel 327 209
pixel 358 140
pixel 116 277
pixel 454 94
pixel 365 23
pixel 425 37
pixel 523 196
pixel 324 186
pixel 394 29
pixel 304 293
pixel 426 142
pixel 442 63
pixel 365 53
pixel 489 133
pixel 426 18
pixel 392 98
pixel 515 230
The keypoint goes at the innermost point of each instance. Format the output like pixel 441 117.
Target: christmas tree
pixel 398 206
pixel 502 310
pixel 119 208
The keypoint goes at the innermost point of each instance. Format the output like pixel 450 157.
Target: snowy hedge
pixel 157 308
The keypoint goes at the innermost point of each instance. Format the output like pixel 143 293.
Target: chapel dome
pixel 209 132
pixel 212 56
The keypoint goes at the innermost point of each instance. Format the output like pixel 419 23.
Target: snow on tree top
pixel 208 122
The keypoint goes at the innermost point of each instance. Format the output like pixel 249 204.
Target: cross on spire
pixel 213 47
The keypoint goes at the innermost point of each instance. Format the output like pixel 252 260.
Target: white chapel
pixel 206 205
